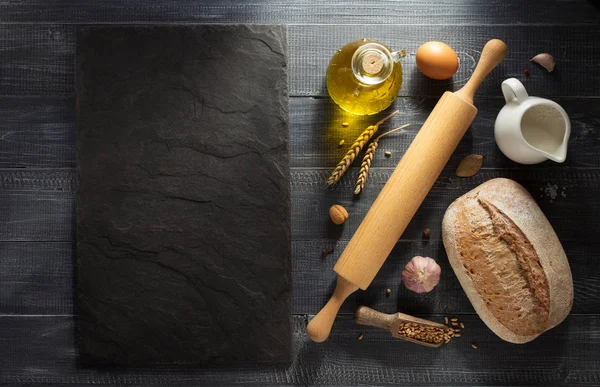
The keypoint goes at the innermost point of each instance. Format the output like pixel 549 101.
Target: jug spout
pixel 560 155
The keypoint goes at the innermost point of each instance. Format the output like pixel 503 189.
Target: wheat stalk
pixel 356 147
pixel 365 165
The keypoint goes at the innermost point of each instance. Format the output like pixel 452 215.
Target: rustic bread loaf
pixel 508 260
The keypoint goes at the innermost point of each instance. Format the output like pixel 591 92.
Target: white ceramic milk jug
pixel 530 130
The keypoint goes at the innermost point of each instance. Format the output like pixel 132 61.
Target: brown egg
pixel 437 60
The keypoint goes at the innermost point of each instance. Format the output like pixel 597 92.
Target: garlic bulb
pixel 421 274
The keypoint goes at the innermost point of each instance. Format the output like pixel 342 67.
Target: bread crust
pixel 516 203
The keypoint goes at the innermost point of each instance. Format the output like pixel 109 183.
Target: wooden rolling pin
pixel 405 191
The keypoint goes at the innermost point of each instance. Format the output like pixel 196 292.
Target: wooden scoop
pixel 392 322
pixel 405 190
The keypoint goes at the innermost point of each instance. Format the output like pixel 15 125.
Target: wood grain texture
pixel 37 278
pixel 37 205
pixel 317 130
pixel 23 181
pixel 314 279
pixel 36 63
pixel 37 217
pixel 301 12
pixel 38 59
pixel 40 350
pixel 311 201
pixel 311 48
pixel 39 132
pixel 48 213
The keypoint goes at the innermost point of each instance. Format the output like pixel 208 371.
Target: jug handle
pixel 514 90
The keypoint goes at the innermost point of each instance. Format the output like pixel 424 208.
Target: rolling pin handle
pixel 493 53
pixel 319 327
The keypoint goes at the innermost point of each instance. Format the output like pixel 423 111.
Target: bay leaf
pixel 469 166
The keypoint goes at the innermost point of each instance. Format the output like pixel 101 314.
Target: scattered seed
pixel 453 319
pixel 356 147
pixel 341 142
pixel 462 325
pixel 526 71
pixel 388 291
pixel 456 330
pixel 424 333
pixel 388 154
pixel 360 337
pixel 457 335
pixel 427 234
pixel 365 164
pixel 325 252
pixel 446 320
pixel 474 345
pixel 454 323
pixel 345 124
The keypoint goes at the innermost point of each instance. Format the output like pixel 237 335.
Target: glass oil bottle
pixel 364 77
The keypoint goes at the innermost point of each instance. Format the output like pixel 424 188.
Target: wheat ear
pixel 365 165
pixel 356 147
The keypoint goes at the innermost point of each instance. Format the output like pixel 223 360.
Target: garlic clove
pixel 545 60
pixel 421 274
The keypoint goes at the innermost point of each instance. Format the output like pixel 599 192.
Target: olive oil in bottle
pixel 364 77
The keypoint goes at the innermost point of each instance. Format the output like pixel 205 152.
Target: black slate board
pixel 183 201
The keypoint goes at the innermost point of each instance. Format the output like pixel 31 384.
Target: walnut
pixel 338 214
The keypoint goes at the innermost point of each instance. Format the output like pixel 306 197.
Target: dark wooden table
pixel 37 187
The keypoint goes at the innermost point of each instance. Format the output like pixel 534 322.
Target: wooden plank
pixel 560 194
pixel 37 278
pixel 37 132
pixel 48 213
pixel 311 48
pixel 41 217
pixel 38 59
pixel 314 280
pixel 37 205
pixel 37 217
pixel 37 180
pixel 316 130
pixel 302 12
pixel 41 350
